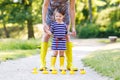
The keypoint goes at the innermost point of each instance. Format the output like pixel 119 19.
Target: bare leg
pixel 61 53
pixel 55 53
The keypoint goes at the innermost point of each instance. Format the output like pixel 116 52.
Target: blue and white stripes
pixel 59 36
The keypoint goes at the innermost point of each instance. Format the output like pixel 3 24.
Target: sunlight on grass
pixel 13 44
pixel 106 62
pixel 15 54
pixel 15 48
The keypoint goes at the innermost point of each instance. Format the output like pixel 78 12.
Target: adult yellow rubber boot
pixel 53 61
pixel 61 63
pixel 43 52
pixel 69 57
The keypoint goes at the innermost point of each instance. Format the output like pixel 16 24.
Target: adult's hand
pixel 46 28
pixel 73 32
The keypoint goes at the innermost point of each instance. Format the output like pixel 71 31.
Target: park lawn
pixel 16 54
pixel 106 62
pixel 15 48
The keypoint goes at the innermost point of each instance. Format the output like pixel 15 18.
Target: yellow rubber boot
pixel 43 52
pixel 53 61
pixel 61 63
pixel 69 57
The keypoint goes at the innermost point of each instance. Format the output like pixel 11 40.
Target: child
pixel 59 30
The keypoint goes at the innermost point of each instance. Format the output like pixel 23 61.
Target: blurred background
pixel 21 32
pixel 21 19
pixel 21 24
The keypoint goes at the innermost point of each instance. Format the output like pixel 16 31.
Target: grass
pixel 106 62
pixel 14 48
pixel 14 44
pixel 16 54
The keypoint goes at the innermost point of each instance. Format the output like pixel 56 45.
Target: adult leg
pixel 69 54
pixel 43 51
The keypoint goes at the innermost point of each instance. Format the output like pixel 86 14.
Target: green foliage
pixel 88 30
pixel 105 14
pixel 21 11
pixel 106 62
pixel 112 30
pixel 106 23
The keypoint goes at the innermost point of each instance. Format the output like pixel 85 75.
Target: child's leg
pixel 53 60
pixel 61 60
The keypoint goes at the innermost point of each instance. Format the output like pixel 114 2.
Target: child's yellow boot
pixel 43 52
pixel 69 57
pixel 63 71
pixel 53 61
pixel 61 63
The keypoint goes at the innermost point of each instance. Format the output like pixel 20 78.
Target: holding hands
pixel 46 28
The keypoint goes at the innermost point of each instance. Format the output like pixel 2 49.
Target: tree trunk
pixel 5 29
pixel 6 32
pixel 90 10
pixel 30 29
pixel 29 20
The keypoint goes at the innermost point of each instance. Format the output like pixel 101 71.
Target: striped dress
pixel 59 36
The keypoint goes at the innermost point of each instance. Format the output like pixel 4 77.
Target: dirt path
pixel 21 69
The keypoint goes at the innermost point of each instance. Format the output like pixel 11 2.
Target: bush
pixel 113 30
pixel 88 31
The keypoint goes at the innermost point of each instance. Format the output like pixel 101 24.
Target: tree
pixel 21 12
pixel 90 10
pixel 4 15
pixel 27 15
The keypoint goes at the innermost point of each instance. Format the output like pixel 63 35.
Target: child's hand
pixel 48 32
pixel 47 29
pixel 70 33
pixel 73 32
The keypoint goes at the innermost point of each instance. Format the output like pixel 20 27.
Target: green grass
pixel 15 48
pixel 14 44
pixel 16 54
pixel 106 62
